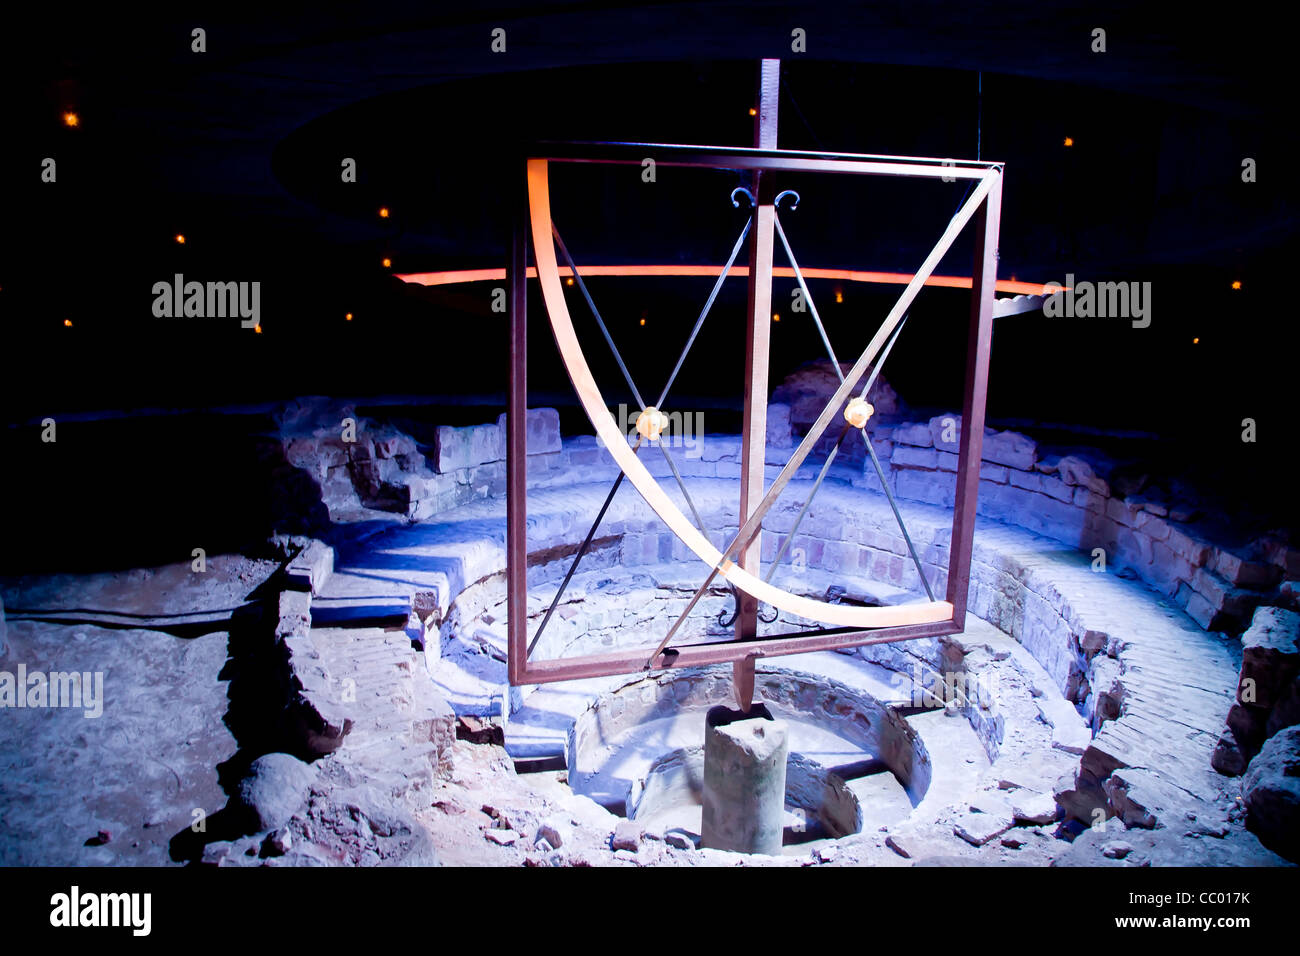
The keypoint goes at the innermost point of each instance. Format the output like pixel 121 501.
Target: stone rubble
pixel 1268 688
pixel 1271 790
pixel 274 788
pixel 1114 688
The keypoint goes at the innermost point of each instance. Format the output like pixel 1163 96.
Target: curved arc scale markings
pixel 575 363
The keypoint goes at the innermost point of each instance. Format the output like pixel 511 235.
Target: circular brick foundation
pixel 633 749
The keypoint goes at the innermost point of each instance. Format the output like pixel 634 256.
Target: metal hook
pixel 725 620
pixel 748 195
pixel 781 195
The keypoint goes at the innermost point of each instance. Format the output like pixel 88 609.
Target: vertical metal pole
pixel 978 345
pixel 517 448
pixel 757 346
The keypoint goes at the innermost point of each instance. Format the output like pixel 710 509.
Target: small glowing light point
pixel 752 111
pixel 1069 141
pixel 71 119
pixel 1236 283
pixel 569 281
pixel 180 239
pixel 388 263
pixel 776 316
pixel 257 329
pixel 643 321
pixel 858 411
pixel 1196 341
pixel 348 317
pixel 839 298
pixel 67 323
pixel 651 423
pixel 383 212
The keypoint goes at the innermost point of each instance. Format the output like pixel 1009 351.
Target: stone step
pixel 390 694
pixel 1152 683
pixel 311 568
pixel 361 657
pixel 1182 659
pixel 1190 743
pixel 1160 710
pixel 1144 799
pixel 358 612
pixel 388 663
pixel 1208 678
pixel 1174 762
pixel 1121 743
pixel 358 661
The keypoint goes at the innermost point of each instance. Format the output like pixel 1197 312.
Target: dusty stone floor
pixel 189 702
pixel 136 773
pixel 123 787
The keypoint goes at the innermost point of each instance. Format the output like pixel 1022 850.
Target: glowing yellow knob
pixel 857 412
pixel 651 423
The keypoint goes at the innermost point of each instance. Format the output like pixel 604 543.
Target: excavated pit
pixel 854 762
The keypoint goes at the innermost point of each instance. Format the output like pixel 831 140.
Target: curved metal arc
pixel 589 395
pixel 781 195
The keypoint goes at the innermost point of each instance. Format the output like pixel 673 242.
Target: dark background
pixel 239 149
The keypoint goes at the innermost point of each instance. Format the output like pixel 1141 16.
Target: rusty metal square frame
pixel 985 221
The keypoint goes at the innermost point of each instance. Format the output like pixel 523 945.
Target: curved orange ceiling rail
pixel 455 277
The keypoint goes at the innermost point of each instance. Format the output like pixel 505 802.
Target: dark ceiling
pixel 239 147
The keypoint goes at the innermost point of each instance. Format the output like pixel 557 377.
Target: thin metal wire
pixel 807 295
pixel 690 606
pixel 826 467
pixel 717 286
pixel 627 376
pixel 699 322
pixel 636 394
pixel 880 473
pixel 754 522
pixel 737 545
pixel 889 496
pixel 582 550
pixel 834 451
pixel 573 567
pixel 699 522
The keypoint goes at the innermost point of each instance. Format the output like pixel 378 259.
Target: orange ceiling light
pixel 1236 284
pixel 458 276
pixel 1069 141
pixel 383 212
pixel 71 119
pixel 388 264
